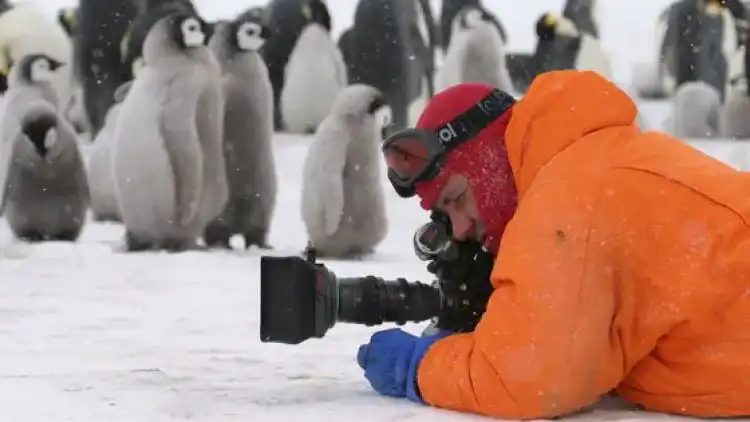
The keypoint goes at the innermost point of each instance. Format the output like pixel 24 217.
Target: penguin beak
pixel 54 65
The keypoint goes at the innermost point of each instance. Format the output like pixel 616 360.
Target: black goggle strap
pixel 469 123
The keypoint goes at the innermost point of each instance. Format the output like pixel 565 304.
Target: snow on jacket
pixel 626 266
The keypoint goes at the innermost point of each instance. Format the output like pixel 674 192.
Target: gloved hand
pixel 391 359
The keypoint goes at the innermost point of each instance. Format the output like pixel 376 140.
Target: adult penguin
pixel 584 14
pixel 315 57
pixel 476 54
pixel 703 38
pixel 561 45
pixel 384 52
pixel 101 27
pixel 449 12
pixel 287 19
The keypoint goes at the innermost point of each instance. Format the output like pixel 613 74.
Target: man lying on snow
pixel 623 258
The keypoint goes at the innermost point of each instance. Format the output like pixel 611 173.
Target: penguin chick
pixel 169 169
pixel 342 205
pixel 734 122
pixel 695 107
pixel 33 77
pixel 314 75
pixel 248 133
pixel 46 195
pixel 99 163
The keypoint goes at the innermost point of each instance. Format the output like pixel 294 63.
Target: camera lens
pixel 373 301
pixel 431 240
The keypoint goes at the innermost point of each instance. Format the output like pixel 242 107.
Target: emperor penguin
pixel 149 13
pixel 734 121
pixel 476 53
pixel 248 132
pixel 314 75
pixel 700 44
pixel 45 195
pixel 343 205
pixel 26 29
pixel 386 49
pixel 696 108
pixel 169 168
pixel 104 205
pixel 562 45
pixel 286 19
pixel 451 8
pixel 101 26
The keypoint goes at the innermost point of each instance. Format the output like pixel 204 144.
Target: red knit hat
pixel 483 160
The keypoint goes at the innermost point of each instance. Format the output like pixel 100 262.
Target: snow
pixel 90 333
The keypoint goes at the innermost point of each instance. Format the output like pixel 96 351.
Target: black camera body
pixel 302 299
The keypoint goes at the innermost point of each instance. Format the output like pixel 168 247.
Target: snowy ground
pixel 92 334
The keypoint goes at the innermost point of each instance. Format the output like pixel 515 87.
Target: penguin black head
pixel 549 26
pixel 248 34
pixel 38 68
pixel 545 27
pixel 714 7
pixel 316 11
pixel 188 30
pixel 36 131
pixel 382 113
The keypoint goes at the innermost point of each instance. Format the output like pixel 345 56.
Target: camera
pixel 302 299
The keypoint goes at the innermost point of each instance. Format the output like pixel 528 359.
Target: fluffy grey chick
pixel 695 111
pixel 169 168
pixel 46 193
pixel 343 204
pixel 248 132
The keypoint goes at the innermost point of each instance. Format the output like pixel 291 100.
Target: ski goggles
pixel 417 155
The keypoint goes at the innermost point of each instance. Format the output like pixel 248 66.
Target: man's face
pixel 458 202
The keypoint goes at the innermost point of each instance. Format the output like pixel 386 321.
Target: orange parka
pixel 626 267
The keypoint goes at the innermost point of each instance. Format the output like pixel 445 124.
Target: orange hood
pixel 560 108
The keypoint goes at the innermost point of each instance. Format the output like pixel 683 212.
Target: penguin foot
pixel 66 236
pixel 217 235
pixel 106 218
pixel 132 244
pixel 257 238
pixel 31 236
pixel 180 245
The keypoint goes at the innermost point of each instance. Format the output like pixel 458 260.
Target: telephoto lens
pixel 302 299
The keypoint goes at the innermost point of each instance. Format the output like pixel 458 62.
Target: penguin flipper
pixel 184 150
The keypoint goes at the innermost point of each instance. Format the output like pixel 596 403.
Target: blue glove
pixel 391 359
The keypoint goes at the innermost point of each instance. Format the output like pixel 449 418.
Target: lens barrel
pixel 373 301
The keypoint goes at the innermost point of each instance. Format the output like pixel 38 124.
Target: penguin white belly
pixel 143 177
pixel 101 175
pixel 449 72
pixel 592 56
pixel 313 80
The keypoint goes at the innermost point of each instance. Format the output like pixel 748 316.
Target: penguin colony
pixel 141 113
pixel 701 67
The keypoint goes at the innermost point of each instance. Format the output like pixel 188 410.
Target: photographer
pixel 623 258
